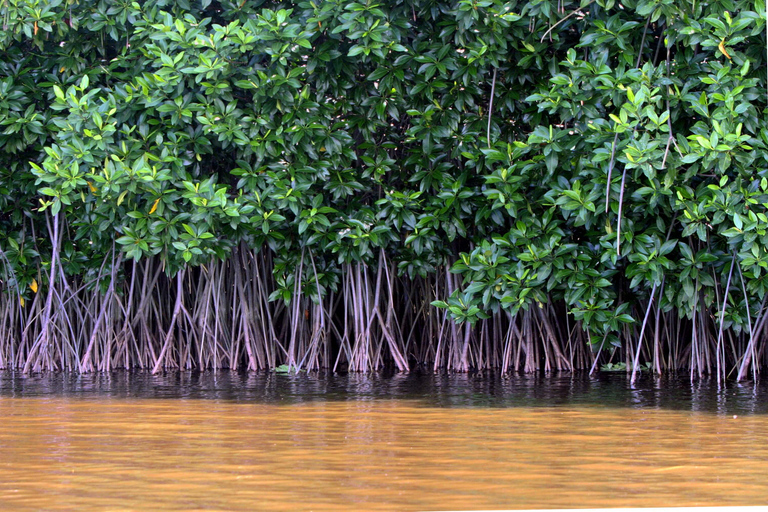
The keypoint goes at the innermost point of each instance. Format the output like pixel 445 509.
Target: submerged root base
pixel 221 316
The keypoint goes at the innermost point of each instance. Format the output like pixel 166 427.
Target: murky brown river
pixel 315 444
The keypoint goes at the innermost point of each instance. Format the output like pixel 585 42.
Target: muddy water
pixel 329 443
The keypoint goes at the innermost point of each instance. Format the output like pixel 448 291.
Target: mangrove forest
pixel 524 185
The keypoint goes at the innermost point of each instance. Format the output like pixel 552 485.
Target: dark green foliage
pixel 563 158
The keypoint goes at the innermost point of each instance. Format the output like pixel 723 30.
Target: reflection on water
pixel 440 390
pixel 232 441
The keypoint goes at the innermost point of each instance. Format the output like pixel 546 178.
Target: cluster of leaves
pixel 580 151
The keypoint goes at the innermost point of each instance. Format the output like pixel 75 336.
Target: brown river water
pixel 269 442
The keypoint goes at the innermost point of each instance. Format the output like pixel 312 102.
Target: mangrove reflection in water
pixel 231 441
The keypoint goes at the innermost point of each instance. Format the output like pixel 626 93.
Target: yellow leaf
pixel 154 206
pixel 33 285
pixel 721 47
pixel 36 28
pixel 92 187
pixel 21 301
pixel 121 197
pixel 63 68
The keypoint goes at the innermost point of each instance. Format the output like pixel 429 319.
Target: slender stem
pixel 610 172
pixel 169 334
pixel 575 11
pixel 636 361
pixel 618 221
pixel 490 107
pixel 722 316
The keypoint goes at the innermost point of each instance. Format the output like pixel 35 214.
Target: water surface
pixel 228 441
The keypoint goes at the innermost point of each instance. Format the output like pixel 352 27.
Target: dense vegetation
pixel 526 185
